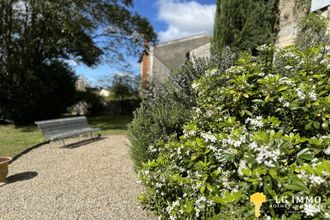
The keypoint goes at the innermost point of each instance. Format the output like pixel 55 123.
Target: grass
pixel 111 124
pixel 15 139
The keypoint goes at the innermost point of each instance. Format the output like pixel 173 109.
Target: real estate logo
pixel 309 205
pixel 257 198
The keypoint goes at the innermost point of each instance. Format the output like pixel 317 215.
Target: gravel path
pixel 92 181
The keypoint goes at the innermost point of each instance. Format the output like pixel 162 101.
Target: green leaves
pixel 228 198
pixel 304 154
pixel 296 184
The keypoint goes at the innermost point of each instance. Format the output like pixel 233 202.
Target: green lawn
pixel 110 124
pixel 15 139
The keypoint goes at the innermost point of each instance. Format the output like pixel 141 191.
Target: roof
pixel 319 4
pixel 174 53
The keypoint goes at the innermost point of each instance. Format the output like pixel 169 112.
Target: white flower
pixel 192 133
pixel 159 185
pixel 327 151
pixel 269 76
pixel 178 151
pixel 213 72
pixel 208 137
pixel 269 163
pixel 209 113
pixel 264 47
pixel 235 69
pixel 286 80
pixel 311 210
pixel 288 67
pixel 253 145
pixel 286 104
pixel 234 142
pixel 152 149
pixel 300 93
pixel 255 121
pixel 327 215
pixel 312 95
pixel 317 180
pixel 195 85
pixel 242 165
pixel 199 201
pixel 267 156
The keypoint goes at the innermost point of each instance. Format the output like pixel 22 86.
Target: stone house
pixel 158 61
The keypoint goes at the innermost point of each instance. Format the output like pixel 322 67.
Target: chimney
pixel 144 61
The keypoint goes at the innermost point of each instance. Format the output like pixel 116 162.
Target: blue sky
pixel 171 19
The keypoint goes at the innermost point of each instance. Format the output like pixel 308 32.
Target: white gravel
pixel 92 181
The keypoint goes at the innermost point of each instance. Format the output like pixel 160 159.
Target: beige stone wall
pixel 201 52
pixel 288 21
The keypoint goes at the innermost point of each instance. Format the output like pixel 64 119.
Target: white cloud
pixel 185 18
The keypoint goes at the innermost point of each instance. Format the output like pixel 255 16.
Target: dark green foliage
pixel 151 124
pixel 244 24
pixel 123 86
pixel 167 107
pixel 312 31
pixel 42 92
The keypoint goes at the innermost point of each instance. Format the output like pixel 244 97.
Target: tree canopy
pixel 37 37
pixel 244 24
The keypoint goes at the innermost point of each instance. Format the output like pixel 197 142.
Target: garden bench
pixel 58 129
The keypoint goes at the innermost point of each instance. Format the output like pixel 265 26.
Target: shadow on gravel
pixel 20 177
pixel 83 142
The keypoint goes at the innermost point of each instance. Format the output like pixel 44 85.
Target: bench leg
pixel 63 142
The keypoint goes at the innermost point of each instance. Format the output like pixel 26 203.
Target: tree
pixel 122 85
pixel 244 24
pixel 40 36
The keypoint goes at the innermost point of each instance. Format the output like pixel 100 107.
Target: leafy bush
pixel 257 127
pixel 167 107
pixel 313 30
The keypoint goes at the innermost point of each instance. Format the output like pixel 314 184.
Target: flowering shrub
pixel 168 105
pixel 257 127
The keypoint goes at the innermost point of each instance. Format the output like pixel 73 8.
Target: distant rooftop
pixel 192 37
pixel 173 53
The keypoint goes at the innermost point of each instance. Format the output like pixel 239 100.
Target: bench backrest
pixel 50 128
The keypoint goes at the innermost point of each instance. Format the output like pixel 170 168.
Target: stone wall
pixel 201 52
pixel 288 21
